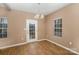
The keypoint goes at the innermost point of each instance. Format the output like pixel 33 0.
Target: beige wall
pixel 3 41
pixel 70 18
pixel 16 24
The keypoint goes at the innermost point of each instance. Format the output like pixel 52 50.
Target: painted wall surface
pixel 70 18
pixel 70 21
pixel 16 25
pixel 3 41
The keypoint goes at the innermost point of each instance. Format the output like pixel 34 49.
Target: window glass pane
pixel 58 27
pixel 3 27
pixel 0 25
pixel 32 31
pixel 4 31
pixel 4 35
pixel 0 31
pixel 0 35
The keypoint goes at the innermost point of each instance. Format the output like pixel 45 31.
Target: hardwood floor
pixel 36 48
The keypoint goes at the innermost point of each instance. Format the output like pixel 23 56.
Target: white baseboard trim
pixel 37 41
pixel 63 47
pixel 4 47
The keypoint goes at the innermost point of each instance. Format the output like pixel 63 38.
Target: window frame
pixel 4 27
pixel 58 27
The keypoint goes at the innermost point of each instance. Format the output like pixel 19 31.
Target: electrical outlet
pixel 70 43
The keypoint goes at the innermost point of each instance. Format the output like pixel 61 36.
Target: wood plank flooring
pixel 36 48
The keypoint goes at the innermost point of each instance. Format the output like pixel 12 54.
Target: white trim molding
pixel 63 46
pixel 18 44
pixel 31 21
pixel 38 41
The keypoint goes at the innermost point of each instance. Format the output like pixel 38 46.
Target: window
pixel 3 27
pixel 32 31
pixel 58 27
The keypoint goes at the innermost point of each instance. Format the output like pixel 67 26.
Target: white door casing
pixel 34 22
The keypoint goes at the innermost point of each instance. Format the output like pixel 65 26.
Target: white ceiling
pixel 42 8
